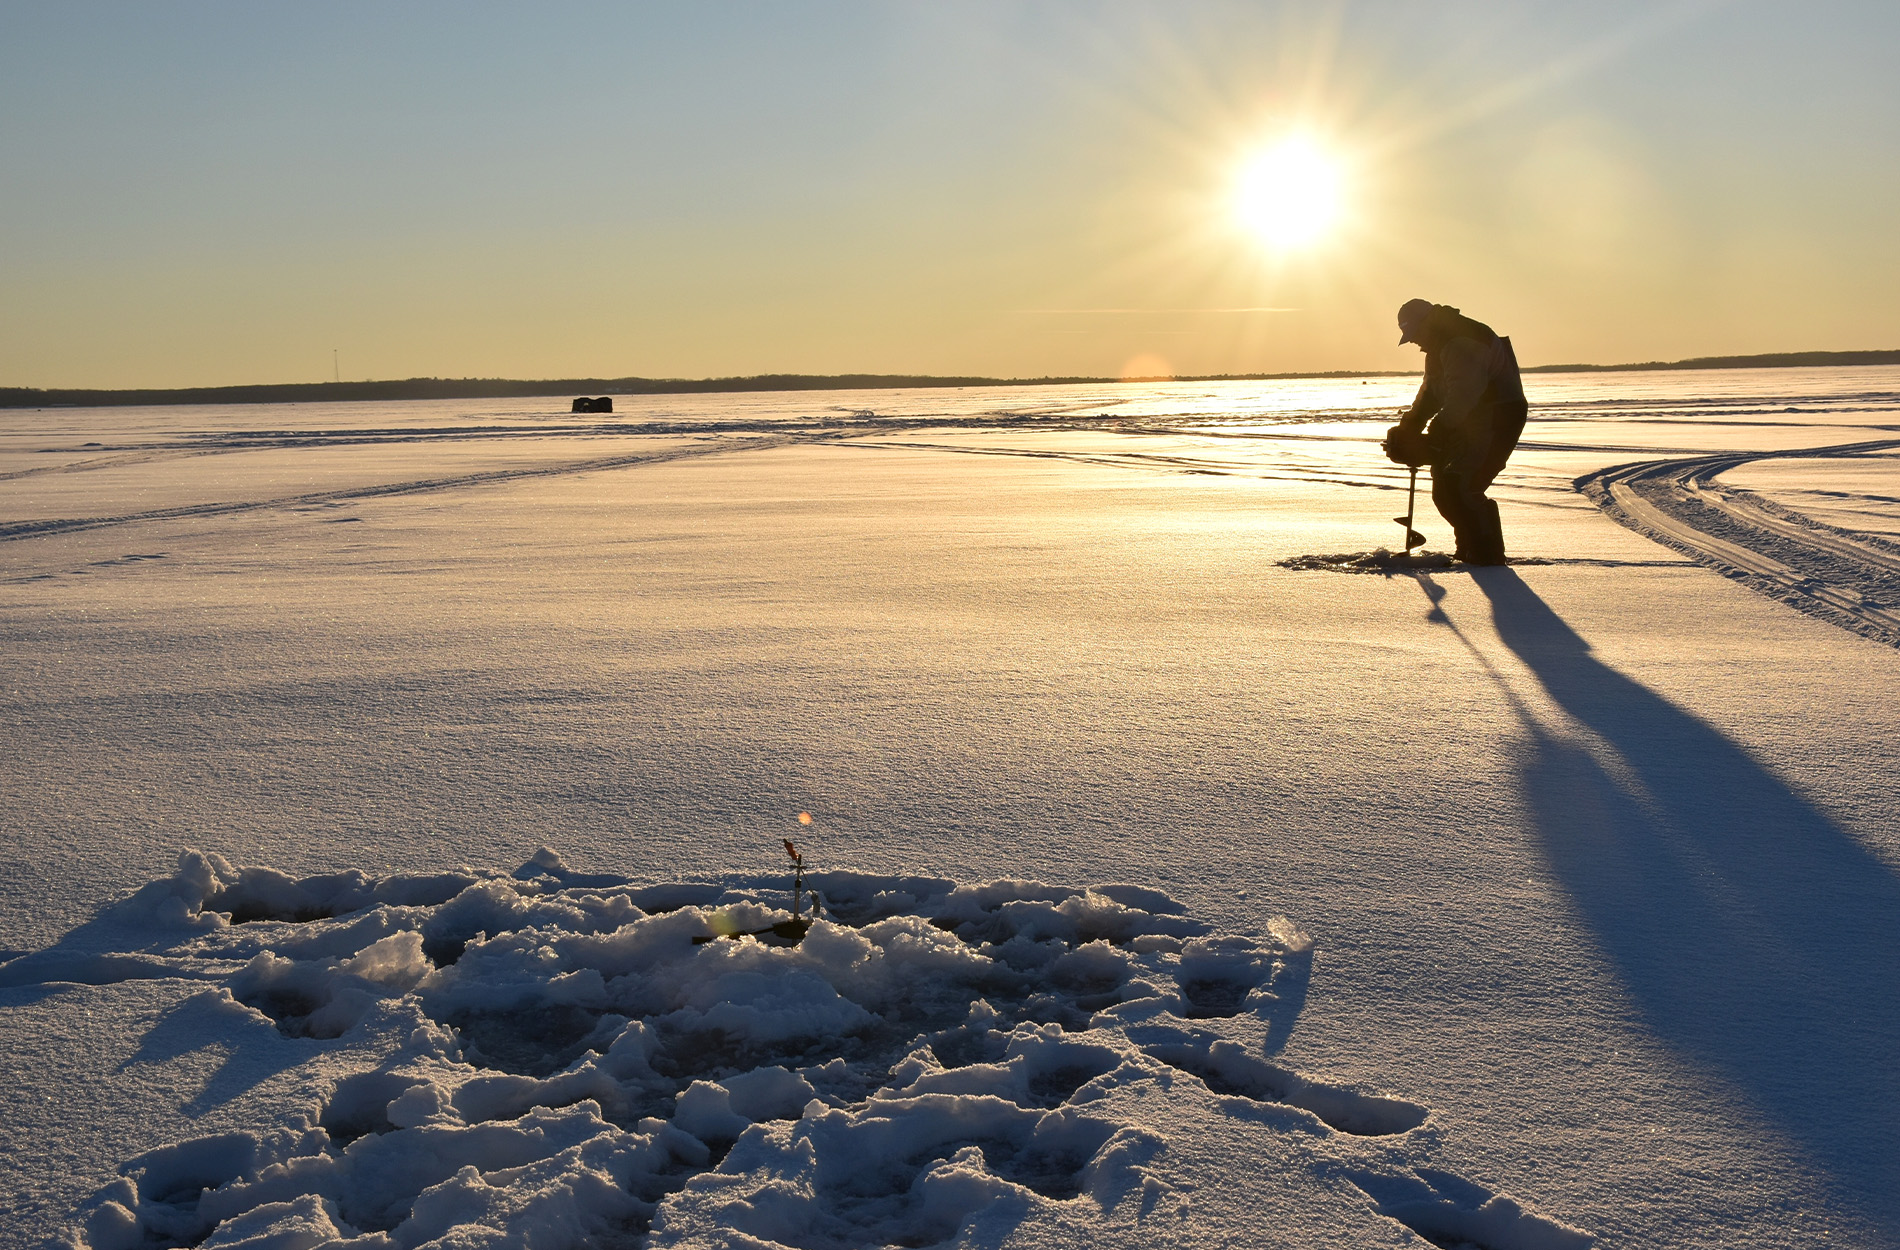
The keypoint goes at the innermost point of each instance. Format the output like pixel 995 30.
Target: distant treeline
pixel 487 388
pixel 1767 360
pixel 500 388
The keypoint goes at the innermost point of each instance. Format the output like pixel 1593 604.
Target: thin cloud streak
pixel 1590 56
pixel 1065 312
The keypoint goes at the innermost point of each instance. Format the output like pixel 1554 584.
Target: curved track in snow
pixel 1849 579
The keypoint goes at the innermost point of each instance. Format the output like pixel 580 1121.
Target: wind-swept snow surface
pixel 1599 850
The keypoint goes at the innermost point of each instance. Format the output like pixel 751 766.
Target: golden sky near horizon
pixel 204 194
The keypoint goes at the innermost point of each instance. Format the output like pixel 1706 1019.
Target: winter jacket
pixel 1471 385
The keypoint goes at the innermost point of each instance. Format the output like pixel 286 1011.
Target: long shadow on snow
pixel 1757 937
pixel 254 1051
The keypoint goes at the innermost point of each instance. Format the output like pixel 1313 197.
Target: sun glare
pixel 1289 195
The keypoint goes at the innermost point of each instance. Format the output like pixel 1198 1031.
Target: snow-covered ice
pixel 1597 853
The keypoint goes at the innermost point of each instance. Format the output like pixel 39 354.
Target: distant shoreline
pixel 507 388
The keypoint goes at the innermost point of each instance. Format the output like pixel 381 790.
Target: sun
pixel 1291 194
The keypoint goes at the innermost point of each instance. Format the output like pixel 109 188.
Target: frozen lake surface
pixel 1534 907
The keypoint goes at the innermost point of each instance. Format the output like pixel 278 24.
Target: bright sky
pixel 200 193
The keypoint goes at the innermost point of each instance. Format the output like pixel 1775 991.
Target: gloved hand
pixel 1406 447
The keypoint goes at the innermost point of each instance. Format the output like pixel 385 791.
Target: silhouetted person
pixel 1474 401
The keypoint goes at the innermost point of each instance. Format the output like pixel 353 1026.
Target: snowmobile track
pixel 13 531
pixel 1848 579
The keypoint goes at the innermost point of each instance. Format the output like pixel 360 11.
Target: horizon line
pixel 495 388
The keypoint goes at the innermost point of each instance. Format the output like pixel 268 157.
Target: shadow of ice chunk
pixel 1449 1211
pixel 54 967
pixel 1227 1069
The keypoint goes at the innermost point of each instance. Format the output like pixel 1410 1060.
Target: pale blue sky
pixel 199 193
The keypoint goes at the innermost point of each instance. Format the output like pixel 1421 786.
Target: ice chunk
pixel 705 1111
pixel 769 1093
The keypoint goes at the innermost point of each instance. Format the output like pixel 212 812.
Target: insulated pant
pixel 1462 475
